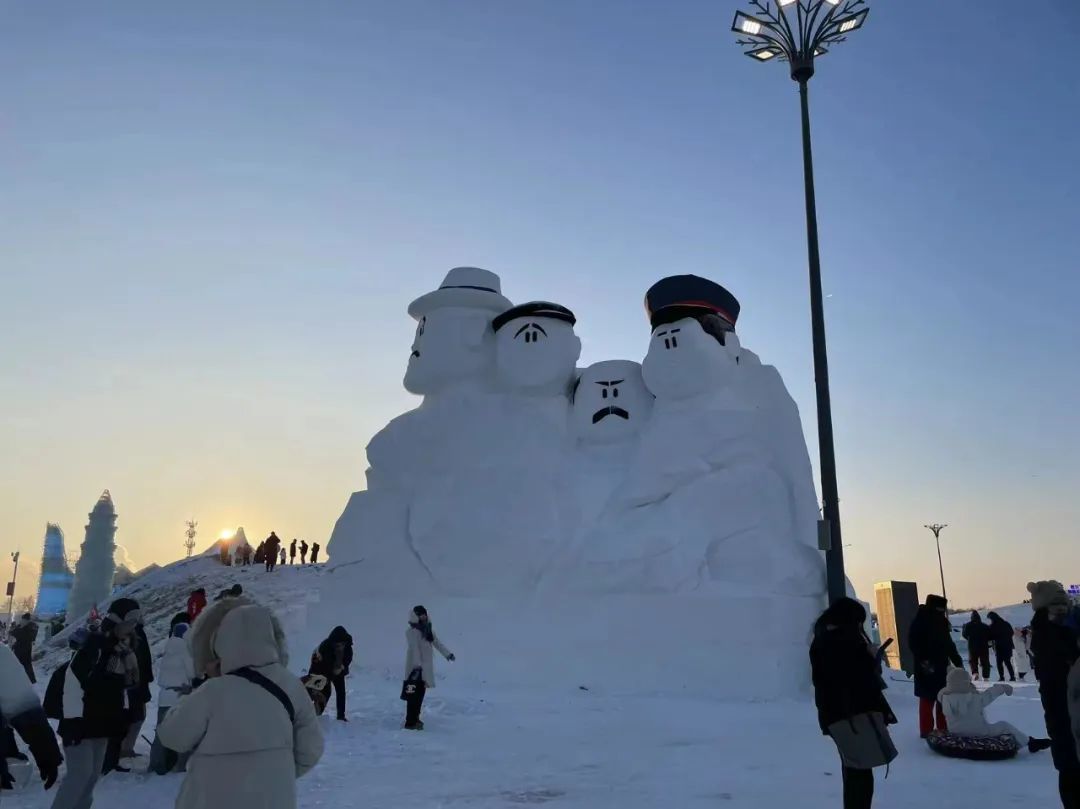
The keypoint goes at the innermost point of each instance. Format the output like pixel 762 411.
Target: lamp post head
pixel 797 31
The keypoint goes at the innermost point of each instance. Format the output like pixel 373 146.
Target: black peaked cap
pixel 679 296
pixel 546 309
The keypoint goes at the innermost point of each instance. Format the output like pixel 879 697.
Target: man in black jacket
pixel 25 633
pixel 977 634
pixel 930 639
pixel 1055 651
pixel 332 659
pixel 1001 633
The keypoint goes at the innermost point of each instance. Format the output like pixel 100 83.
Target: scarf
pixel 123 663
pixel 425 629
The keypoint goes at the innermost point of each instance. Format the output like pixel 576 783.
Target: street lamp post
pixel 11 591
pixel 936 530
pixel 797 32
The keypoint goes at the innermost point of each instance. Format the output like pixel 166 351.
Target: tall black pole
pixel 834 556
pixel 941 567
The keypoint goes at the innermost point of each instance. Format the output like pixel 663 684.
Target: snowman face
pixel 611 402
pixel 537 355
pixel 683 361
pixel 452 344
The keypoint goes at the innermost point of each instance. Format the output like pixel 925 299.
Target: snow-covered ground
pixel 495 743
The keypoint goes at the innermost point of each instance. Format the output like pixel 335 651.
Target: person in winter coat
pixel 315 548
pixel 140 696
pixel 303 551
pixel 292 552
pixel 931 643
pixel 176 676
pixel 260 554
pixel 965 710
pixel 847 680
pixel 101 672
pixel 25 633
pixel 1055 651
pixel 270 549
pixel 281 556
pixel 420 639
pixel 20 708
pixel 1022 653
pixel 977 634
pixel 1001 633
pixel 332 660
pixel 196 603
pixel 251 729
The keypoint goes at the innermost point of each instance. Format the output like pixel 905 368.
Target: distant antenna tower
pixel 190 533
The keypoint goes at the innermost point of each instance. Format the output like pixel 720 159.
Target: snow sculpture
pixel 54 586
pixel 96 566
pixel 453 331
pixel 536 350
pixel 633 498
pixel 611 403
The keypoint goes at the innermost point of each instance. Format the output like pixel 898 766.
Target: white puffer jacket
pixel 965 711
pixel 246 752
pixel 175 672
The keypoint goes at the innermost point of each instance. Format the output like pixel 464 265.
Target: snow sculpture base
pixel 726 646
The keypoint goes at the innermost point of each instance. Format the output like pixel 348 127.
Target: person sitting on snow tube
pixel 965 710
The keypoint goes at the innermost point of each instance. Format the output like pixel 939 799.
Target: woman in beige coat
pixel 246 750
pixel 420 664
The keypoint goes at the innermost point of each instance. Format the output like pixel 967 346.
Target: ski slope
pixel 496 742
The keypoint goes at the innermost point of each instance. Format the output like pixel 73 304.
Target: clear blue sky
pixel 213 215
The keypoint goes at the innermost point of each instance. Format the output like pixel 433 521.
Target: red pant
pixel 927 709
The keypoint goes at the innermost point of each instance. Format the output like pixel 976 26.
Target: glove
pixel 451 657
pixel 49 774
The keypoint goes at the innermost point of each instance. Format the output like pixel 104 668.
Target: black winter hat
pixel 179 618
pixel 937 602
pixel 552 311
pixel 420 609
pixel 124 611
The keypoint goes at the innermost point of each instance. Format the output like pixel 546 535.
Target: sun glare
pixel 226 534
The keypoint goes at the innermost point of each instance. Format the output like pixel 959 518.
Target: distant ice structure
pixel 646 493
pixel 232 543
pixel 54 586
pixel 96 566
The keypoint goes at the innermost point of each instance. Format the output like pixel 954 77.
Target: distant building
pixel 54 586
pixel 96 567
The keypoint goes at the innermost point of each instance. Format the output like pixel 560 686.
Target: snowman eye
pixel 614 393
pixel 604 394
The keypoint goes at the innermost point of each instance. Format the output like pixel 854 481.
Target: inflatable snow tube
pixel 993 748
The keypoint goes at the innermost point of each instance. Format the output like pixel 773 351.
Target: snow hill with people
pixel 538 737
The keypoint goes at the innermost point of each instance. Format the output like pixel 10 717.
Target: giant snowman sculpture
pixel 649 526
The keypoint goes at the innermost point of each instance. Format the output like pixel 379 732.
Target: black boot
pixel 1038 745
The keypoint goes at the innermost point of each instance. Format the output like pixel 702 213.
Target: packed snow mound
pixel 519 477
pixel 164 592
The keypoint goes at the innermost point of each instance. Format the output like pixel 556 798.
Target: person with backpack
pixel 21 710
pixel 848 692
pixel 1001 633
pixel 25 633
pixel 977 634
pixel 420 639
pixel 931 643
pixel 315 548
pixel 1055 650
pixel 94 688
pixel 176 676
pixel 303 551
pixel 332 660
pixel 196 603
pixel 251 728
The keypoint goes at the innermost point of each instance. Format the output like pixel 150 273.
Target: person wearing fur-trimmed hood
pixel 251 728
pixel 420 638
pixel 965 711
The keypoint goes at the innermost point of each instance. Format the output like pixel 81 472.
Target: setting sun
pixel 226 534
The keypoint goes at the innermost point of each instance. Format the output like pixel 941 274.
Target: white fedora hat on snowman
pixel 468 287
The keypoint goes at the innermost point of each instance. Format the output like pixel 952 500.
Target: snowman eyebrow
pixel 530 326
pixel 611 382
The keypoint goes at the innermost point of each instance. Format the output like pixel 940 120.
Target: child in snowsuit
pixel 965 711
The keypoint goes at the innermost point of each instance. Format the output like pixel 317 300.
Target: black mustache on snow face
pixel 414 354
pixel 599 415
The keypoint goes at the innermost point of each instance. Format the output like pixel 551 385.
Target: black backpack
pixel 54 694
